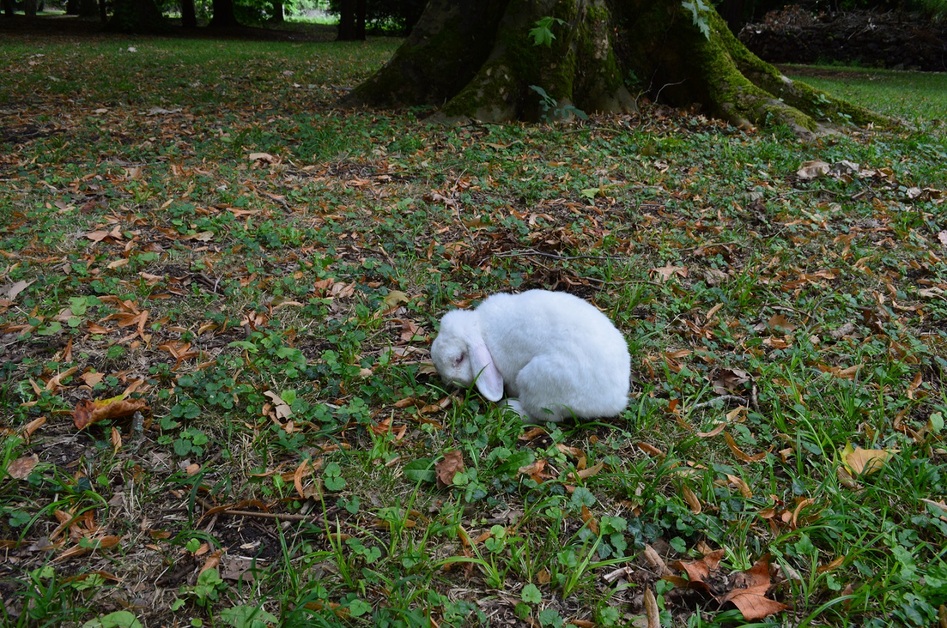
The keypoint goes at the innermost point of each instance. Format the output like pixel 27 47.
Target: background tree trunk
pixel 88 9
pixel 188 14
pixel 8 8
pixel 136 16
pixel 476 59
pixel 224 16
pixel 29 8
pixel 352 15
pixel 277 16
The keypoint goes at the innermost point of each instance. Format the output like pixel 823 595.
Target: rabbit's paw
pixel 515 406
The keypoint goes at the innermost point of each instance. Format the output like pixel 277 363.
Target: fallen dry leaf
pixel 21 468
pixel 535 471
pixel 89 411
pixel 450 465
pixel 264 157
pixel 589 519
pixel 279 410
pixel 591 471
pixel 780 323
pixel 11 291
pixel 91 378
pixel 813 169
pixel 90 545
pixel 32 426
pixel 741 485
pixel 665 273
pixel 860 461
pixel 212 561
pixel 739 453
pixel 700 570
pixel 729 380
pixel 692 500
pixel 749 592
pixel 652 612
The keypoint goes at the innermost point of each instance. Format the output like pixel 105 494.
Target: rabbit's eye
pixel 459 359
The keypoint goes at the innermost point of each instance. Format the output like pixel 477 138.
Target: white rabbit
pixel 555 353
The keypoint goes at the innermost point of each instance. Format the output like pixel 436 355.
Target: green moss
pixel 659 42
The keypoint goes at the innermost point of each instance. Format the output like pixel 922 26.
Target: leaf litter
pixel 276 284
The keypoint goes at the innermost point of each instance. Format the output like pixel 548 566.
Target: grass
pixel 196 228
pixel 916 96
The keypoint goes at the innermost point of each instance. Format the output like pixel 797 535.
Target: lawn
pixel 217 295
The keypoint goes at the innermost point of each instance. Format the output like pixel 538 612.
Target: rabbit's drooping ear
pixel 489 380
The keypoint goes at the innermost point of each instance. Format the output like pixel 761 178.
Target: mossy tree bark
pixel 476 59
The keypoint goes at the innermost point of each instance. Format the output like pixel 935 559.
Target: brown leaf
pixel 813 169
pixel 750 591
pixel 742 486
pixel 739 453
pixel 699 570
pixel 778 322
pixel 89 546
pixel 450 465
pixel 212 561
pixel 32 426
pixel 729 380
pixel 589 519
pixel 593 470
pixel 535 471
pixel 654 559
pixel 720 427
pixel 91 378
pixel 263 157
pixel 665 273
pixel 650 449
pixel 532 434
pixel 573 452
pixel 864 461
pixel 21 468
pixel 55 382
pixel 305 468
pixel 280 410
pixel 692 501
pixel 832 566
pixel 914 385
pixel 88 411
pixel 651 609
pixel 753 604
pixel 11 291
pixel 116 439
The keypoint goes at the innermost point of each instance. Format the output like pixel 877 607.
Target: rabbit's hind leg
pixel 547 389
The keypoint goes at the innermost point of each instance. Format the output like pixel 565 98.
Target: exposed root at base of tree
pixel 480 62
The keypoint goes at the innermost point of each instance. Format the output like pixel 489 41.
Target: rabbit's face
pixel 451 359
pixel 461 356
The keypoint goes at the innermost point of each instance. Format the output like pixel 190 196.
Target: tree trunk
pixel 224 16
pixel 88 9
pixel 352 16
pixel 277 17
pixel 136 16
pixel 29 8
pixel 188 14
pixel 8 8
pixel 477 60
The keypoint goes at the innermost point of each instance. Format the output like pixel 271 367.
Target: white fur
pixel 555 353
